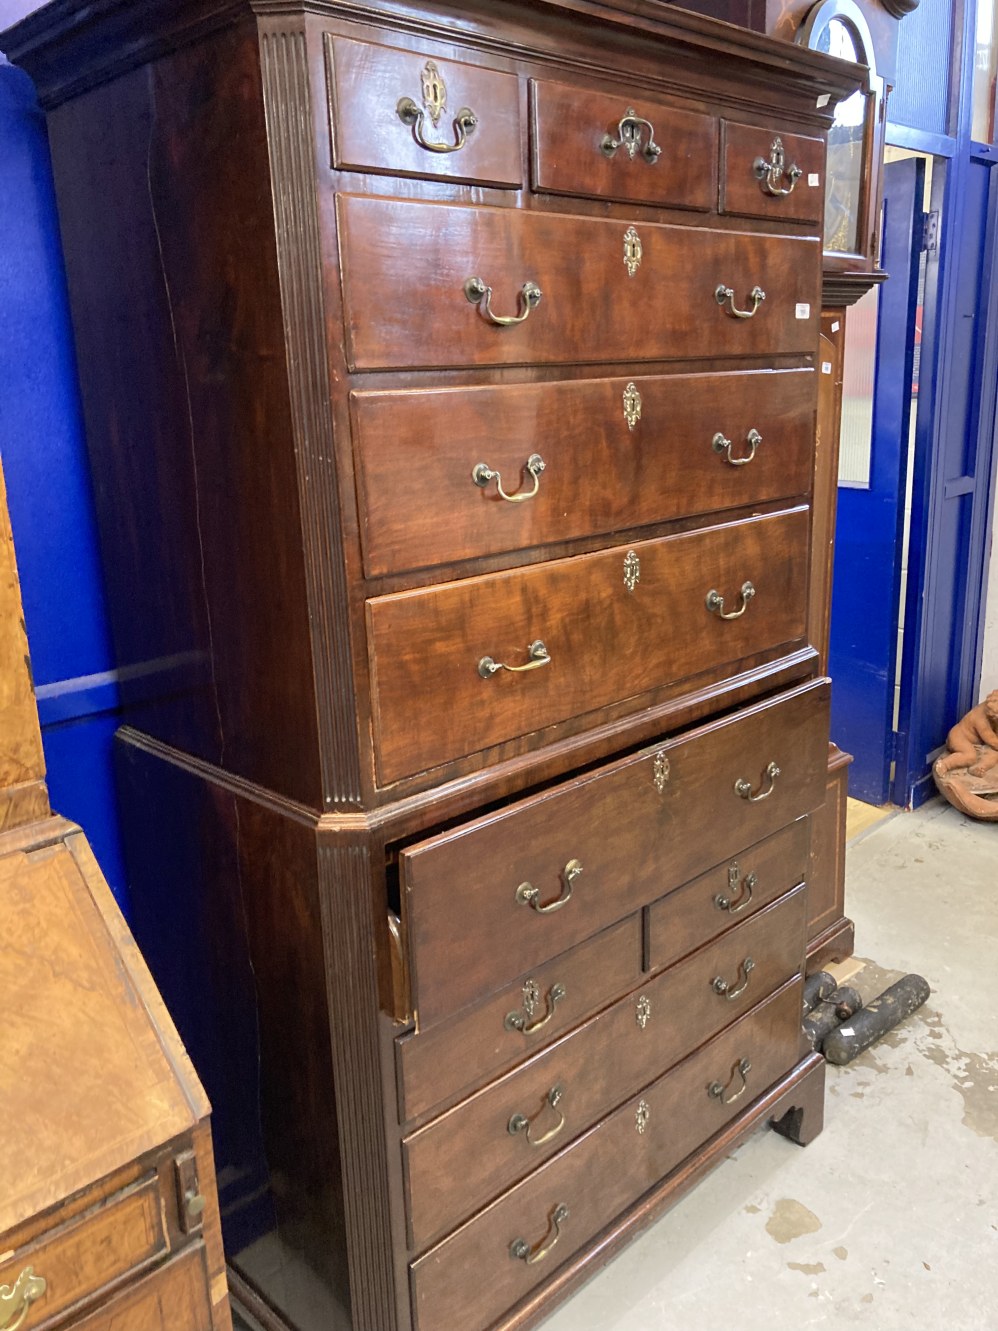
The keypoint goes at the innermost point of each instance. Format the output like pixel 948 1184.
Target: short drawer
pixel 726 894
pixel 80 1259
pixel 436 465
pixel 592 630
pixel 767 173
pixel 566 1202
pixel 518 1020
pixel 476 1151
pixel 637 827
pixel 610 290
pixel 621 147
pixel 396 112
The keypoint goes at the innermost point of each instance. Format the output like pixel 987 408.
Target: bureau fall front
pixel 450 383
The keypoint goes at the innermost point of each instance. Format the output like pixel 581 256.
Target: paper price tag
pixel 826 367
pixel 824 99
pixel 813 179
pixel 835 326
pixel 803 311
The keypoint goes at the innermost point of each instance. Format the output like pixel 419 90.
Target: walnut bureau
pixel 450 382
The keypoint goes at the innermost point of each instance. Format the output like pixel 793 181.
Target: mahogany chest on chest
pixel 450 378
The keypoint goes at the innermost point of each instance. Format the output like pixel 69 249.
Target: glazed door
pixel 866 588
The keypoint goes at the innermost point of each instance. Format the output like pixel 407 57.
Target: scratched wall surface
pixel 48 486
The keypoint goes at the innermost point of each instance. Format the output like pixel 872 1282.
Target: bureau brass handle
pixel 722 445
pixel 725 295
pixel 480 293
pixel 770 173
pixel 538 653
pixel 629 138
pixel 721 987
pixel 16 1299
pixel 718 1092
pixel 715 602
pixel 521 1250
pixel 743 788
pixel 528 895
pixel 465 123
pixel 521 1021
pixel 482 474
pixel 734 902
pixel 520 1123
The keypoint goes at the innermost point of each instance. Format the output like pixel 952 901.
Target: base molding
pixel 836 943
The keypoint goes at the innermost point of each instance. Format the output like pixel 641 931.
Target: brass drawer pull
pixel 434 104
pixel 479 293
pixel 721 987
pixel 16 1299
pixel 726 294
pixel 629 138
pixel 521 1250
pixel 520 1123
pixel 771 173
pixel 482 474
pixel 715 602
pixel 717 1092
pixel 722 445
pixel 734 902
pixel 537 652
pixel 743 788
pixel 522 1021
pixel 528 895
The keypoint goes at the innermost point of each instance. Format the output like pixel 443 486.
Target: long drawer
pixel 575 459
pixel 447 662
pixel 473 1153
pixel 636 829
pixel 610 290
pixel 517 1020
pixel 497 1258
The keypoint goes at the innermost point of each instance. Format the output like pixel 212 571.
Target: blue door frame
pixel 869 527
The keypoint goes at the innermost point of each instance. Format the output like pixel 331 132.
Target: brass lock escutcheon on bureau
pixel 743 788
pixel 722 445
pixel 16 1299
pixel 629 133
pixel 771 174
pixel 528 895
pixel 479 293
pixel 717 1091
pixel 715 602
pixel 524 1021
pixel 521 1250
pixel 726 296
pixel 722 988
pixel 736 900
pixel 521 1123
pixel 482 474
pixel 434 91
pixel 538 656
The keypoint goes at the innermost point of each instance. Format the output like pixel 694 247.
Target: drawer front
pixel 617 454
pixel 471 1278
pixel 175 1296
pixel 613 625
pixel 81 1258
pixel 617 147
pixel 727 893
pixel 473 1153
pixel 395 111
pixel 406 264
pixel 758 164
pixel 518 1020
pixel 636 827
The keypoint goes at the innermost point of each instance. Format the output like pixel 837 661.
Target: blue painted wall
pixel 48 486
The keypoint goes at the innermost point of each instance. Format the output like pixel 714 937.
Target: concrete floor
pixel 890 1218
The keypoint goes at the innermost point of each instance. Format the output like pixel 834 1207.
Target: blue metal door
pixel 866 582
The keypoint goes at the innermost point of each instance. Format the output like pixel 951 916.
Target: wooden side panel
pixel 21 758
